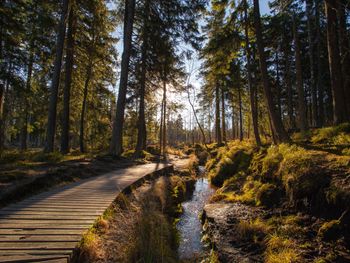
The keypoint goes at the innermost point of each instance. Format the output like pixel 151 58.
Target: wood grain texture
pixel 48 227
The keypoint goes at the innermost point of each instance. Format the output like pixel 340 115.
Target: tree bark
pixel 116 147
pixel 276 123
pixel 300 86
pixel 2 99
pixel 344 51
pixel 24 128
pixel 223 118
pixel 164 136
pixel 51 122
pixel 320 90
pixel 217 115
pixel 278 87
pixel 240 113
pixel 161 128
pixel 83 108
pixel 68 82
pixel 309 4
pixel 288 84
pixel 339 105
pixel 142 133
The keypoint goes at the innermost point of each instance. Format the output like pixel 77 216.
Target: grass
pixel 337 135
pixel 253 230
pixel 235 160
pixel 88 246
pixel 280 249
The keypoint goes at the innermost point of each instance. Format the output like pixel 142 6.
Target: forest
pixel 64 87
pixel 257 92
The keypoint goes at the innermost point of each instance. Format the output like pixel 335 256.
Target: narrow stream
pixel 189 226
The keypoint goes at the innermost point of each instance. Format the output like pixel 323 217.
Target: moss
pixel 330 135
pixel 233 162
pixel 330 231
pixel 271 162
pixel 301 172
pixel 268 195
pixel 54 157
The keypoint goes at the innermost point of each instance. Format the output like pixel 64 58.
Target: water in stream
pixel 189 226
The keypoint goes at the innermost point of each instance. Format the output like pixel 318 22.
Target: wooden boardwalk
pixel 47 227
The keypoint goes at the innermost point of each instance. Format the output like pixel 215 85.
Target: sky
pixel 195 63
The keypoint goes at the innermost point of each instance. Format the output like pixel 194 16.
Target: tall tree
pixel 116 146
pixel 253 103
pixel 300 86
pixel 52 114
pixel 276 123
pixel 68 80
pixel 339 103
pixel 141 136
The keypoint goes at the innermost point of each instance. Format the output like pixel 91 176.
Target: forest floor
pixel 23 174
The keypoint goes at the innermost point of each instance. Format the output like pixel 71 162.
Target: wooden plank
pixel 30 258
pixel 27 226
pixel 39 238
pixel 35 252
pixel 38 245
pixel 48 217
pixel 48 226
pixel 42 232
pixel 7 214
pixel 51 221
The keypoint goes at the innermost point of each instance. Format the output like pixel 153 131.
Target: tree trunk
pixel 288 84
pixel 309 4
pixel 161 128
pixel 2 133
pixel 68 82
pixel 300 86
pixel 276 123
pixel 217 115
pixel 339 105
pixel 24 128
pixel 83 107
pixel 240 113
pixel 320 110
pixel 164 136
pixel 223 118
pixel 116 147
pixel 196 117
pixel 278 87
pixel 51 122
pixel 142 133
pixel 344 51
